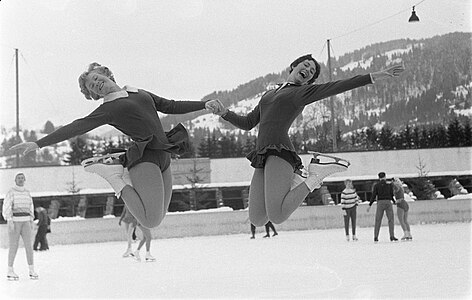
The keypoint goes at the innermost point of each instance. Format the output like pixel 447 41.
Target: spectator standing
pixel 349 201
pixel 43 229
pixel 383 193
pixel 18 211
pixel 402 209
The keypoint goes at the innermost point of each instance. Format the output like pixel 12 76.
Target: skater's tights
pixel 403 219
pixel 270 197
pixel 22 229
pixel 149 197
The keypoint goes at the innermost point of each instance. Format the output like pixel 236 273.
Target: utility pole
pixel 331 100
pixel 17 108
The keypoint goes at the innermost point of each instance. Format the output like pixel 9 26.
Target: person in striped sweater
pixel 349 200
pixel 18 211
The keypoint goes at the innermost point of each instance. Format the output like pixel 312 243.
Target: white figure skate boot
pixel 109 168
pixel 318 170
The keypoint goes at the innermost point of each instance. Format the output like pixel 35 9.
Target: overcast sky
pixel 185 50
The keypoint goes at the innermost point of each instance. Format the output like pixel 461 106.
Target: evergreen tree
pixel 371 138
pixel 454 134
pixel 80 150
pixel 386 138
pixel 48 128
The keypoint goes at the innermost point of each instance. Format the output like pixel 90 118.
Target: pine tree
pixel 454 133
pixel 80 150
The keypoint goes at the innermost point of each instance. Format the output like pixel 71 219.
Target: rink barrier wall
pixel 99 230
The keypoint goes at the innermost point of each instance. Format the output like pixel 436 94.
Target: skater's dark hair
pixel 382 175
pixel 93 67
pixel 303 58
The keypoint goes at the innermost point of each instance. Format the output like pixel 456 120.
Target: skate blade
pixel 34 277
pixel 100 159
pixel 12 278
pixel 150 259
pixel 337 160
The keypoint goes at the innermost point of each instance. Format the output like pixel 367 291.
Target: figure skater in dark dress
pixel 276 188
pixel 133 112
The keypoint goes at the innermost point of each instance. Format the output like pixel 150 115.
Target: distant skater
pixel 130 225
pixel 277 189
pixel 18 211
pixel 402 209
pixel 349 201
pixel 383 193
pixel 44 223
pixel 133 112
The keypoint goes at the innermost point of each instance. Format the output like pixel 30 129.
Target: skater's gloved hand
pixel 26 147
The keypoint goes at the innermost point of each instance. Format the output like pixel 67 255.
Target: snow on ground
pixel 295 264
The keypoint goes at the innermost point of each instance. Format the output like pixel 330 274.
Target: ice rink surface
pixel 295 264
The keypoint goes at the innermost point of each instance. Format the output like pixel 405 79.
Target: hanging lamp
pixel 414 17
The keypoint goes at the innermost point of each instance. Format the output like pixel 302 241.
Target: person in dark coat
pixel 43 229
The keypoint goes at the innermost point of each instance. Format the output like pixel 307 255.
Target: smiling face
pixel 100 84
pixel 303 72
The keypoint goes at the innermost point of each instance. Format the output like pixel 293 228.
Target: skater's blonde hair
pixel 93 67
pixel 348 184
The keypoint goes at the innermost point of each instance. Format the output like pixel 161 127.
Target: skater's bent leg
pixel 257 208
pixel 145 199
pixel 280 201
pixel 26 236
pixel 167 179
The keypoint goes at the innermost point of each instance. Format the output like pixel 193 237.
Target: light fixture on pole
pixel 414 17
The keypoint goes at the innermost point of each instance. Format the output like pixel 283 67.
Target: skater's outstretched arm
pixel 247 122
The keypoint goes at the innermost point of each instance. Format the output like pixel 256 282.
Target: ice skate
pixel 318 170
pixel 252 237
pixel 33 275
pixel 354 238
pixel 149 258
pixel 335 160
pixel 393 239
pixel 136 255
pixel 109 168
pixel 128 253
pixel 11 276
pixel 112 158
pixel 266 236
pixel 275 233
pixel 347 238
